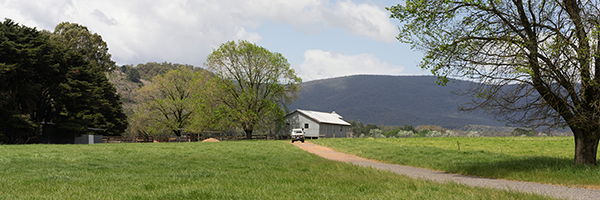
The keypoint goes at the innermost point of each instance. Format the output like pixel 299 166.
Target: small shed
pixel 51 134
pixel 317 124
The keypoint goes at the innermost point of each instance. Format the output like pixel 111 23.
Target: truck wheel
pixel 302 141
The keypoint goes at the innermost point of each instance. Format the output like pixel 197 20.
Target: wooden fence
pixel 184 138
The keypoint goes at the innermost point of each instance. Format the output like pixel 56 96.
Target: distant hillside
pixel 127 84
pixel 390 100
pixel 126 88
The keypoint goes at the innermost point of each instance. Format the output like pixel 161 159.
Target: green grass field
pixel 223 170
pixel 534 159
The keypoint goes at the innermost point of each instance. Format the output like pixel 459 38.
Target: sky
pixel 320 38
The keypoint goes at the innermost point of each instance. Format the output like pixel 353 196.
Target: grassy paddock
pixel 224 170
pixel 535 159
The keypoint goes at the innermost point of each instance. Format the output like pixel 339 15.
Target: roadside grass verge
pixel 223 170
pixel 533 159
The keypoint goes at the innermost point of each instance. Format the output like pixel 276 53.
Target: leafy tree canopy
pixel 258 83
pixel 520 131
pixel 134 75
pixel 538 60
pixel 175 102
pixel 89 45
pixel 149 70
pixel 358 128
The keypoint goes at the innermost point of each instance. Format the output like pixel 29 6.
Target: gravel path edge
pixel 555 191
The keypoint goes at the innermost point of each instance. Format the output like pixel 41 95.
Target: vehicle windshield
pixel 299 132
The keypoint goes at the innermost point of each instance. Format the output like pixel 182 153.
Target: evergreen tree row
pixel 47 81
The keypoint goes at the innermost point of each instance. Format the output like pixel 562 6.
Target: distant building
pixel 317 124
pixel 52 135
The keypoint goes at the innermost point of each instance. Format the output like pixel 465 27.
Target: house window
pixel 306 125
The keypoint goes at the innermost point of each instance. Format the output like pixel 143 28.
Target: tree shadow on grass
pixel 486 163
pixel 481 163
pixel 535 168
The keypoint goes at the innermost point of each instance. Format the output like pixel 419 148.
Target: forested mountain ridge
pixel 371 99
pixel 391 100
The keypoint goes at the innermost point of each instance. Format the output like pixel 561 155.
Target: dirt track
pixel 420 173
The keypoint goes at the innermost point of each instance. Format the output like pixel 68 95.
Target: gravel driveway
pixel 414 172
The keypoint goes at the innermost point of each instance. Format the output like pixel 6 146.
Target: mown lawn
pixel 534 159
pixel 223 170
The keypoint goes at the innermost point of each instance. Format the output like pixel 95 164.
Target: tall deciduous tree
pixel 537 62
pixel 257 83
pixel 89 44
pixel 173 102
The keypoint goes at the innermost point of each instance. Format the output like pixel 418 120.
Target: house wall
pixel 334 130
pixel 314 130
pixel 297 120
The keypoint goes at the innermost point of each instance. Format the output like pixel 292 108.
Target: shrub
pixel 392 133
pixel 449 133
pixel 134 75
pixel 376 133
pixel 379 136
pixel 407 127
pixel 423 133
pixel 405 134
pixel 520 131
pixel 434 134
pixel 431 128
pixel 473 134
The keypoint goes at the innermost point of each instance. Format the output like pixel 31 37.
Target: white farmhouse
pixel 317 124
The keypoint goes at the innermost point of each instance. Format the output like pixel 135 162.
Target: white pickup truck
pixel 297 134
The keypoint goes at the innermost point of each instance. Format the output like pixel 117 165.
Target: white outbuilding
pixel 317 124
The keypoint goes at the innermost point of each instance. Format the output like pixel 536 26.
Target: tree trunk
pixel 248 134
pixel 177 133
pixel 586 148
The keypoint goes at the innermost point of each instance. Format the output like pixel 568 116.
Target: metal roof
pixel 322 117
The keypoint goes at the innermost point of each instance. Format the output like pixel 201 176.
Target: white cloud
pixel 362 19
pixel 309 16
pixel 185 31
pixel 250 36
pixel 102 17
pixel 34 13
pixel 320 64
